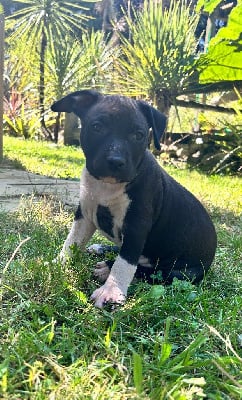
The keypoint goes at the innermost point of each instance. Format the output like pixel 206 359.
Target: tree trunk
pixel 71 130
pixel 56 129
pixel 42 76
pixel 163 102
pixel 109 15
pixel 43 45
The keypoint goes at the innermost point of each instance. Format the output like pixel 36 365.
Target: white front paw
pixel 109 292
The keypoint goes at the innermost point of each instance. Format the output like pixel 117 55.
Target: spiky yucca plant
pixel 38 22
pixel 158 61
pixel 75 64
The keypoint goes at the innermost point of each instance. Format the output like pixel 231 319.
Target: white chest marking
pixel 94 192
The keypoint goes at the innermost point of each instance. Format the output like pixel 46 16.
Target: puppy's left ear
pixel 156 120
pixel 77 102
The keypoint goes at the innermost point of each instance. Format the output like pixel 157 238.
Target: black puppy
pixel 156 223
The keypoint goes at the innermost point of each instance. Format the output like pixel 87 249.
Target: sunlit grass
pixel 224 192
pixel 44 158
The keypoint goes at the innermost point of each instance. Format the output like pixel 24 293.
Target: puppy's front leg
pixel 123 270
pixel 116 286
pixel 81 231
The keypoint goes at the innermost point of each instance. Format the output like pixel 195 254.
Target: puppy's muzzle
pixel 116 163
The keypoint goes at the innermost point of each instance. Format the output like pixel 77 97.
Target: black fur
pixel 78 213
pixel 105 220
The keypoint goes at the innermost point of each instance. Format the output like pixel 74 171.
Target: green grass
pixel 44 158
pixel 179 342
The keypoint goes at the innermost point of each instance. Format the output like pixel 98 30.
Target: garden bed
pixel 213 152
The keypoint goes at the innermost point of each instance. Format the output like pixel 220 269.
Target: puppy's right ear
pixel 77 102
pixel 156 121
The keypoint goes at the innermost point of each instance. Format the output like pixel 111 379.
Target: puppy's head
pixel 115 132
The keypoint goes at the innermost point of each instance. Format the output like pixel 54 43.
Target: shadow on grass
pixel 11 163
pixel 59 160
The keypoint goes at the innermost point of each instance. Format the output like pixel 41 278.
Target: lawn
pixel 178 342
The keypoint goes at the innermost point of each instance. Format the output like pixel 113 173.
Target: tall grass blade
pixel 138 372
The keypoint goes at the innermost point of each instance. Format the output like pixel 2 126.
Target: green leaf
pixel 183 359
pixel 223 60
pixel 80 296
pixel 157 291
pixel 137 372
pixel 166 349
pixel 207 5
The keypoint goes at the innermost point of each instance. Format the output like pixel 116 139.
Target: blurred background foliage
pixel 184 57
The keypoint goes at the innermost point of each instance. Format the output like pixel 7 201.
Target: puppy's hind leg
pixel 102 270
pixel 193 274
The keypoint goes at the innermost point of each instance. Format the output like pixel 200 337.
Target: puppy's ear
pixel 156 120
pixel 77 102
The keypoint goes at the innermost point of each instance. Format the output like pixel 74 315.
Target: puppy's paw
pixel 62 258
pixel 108 293
pixel 59 259
pixel 102 271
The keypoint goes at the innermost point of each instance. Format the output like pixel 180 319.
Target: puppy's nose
pixel 116 162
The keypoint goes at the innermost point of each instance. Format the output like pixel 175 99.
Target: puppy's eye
pixel 97 127
pixel 137 136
